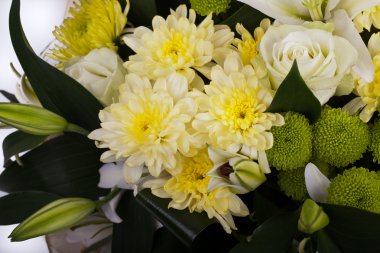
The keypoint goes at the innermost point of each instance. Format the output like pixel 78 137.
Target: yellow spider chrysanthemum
pixel 368 18
pixel 188 189
pixel 177 44
pixel 149 127
pixel 233 114
pixel 92 24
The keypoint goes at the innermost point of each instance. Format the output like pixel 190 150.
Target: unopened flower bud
pixel 58 215
pixel 312 217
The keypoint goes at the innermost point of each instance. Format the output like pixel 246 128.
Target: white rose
pixel 323 58
pixel 101 72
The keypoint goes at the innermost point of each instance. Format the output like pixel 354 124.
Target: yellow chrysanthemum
pixel 176 44
pixel 93 24
pixel 233 114
pixel 368 18
pixel 188 189
pixel 248 45
pixel 148 127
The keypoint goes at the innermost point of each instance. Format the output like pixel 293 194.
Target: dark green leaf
pixel 142 12
pixel 135 233
pixel 18 142
pixel 353 230
pixel 16 207
pixel 294 95
pixel 263 207
pixel 67 165
pixel 195 230
pixel 166 242
pixel 325 244
pixel 56 91
pixel 273 236
pixel 249 17
pixel 12 98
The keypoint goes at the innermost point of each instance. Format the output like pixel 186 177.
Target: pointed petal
pixel 111 175
pixel 345 28
pixel 109 209
pixel 316 183
pixel 354 7
pixel 286 11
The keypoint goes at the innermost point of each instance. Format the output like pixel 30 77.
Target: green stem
pixel 76 129
pixel 109 197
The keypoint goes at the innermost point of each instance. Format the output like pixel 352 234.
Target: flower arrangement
pixel 191 126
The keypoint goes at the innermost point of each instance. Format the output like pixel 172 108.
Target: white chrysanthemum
pixel 367 18
pixel 149 126
pixel 177 44
pixel 233 114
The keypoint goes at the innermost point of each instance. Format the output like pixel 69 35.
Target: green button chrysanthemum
pixel 356 187
pixel 374 146
pixel 339 139
pixel 292 145
pixel 292 182
pixel 205 7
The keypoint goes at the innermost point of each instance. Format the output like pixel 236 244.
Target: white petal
pixel 354 7
pixel 316 183
pixel 286 11
pixel 111 175
pixel 345 28
pixel 132 174
pixel 374 44
pixel 109 209
pixel 263 162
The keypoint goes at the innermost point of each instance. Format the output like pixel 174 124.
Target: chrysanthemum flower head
pixel 374 146
pixel 149 126
pixel 205 7
pixel 367 18
pixel 339 139
pixel 93 24
pixel 368 101
pixel 188 190
pixel 292 147
pixel 178 45
pixel 233 116
pixel 356 187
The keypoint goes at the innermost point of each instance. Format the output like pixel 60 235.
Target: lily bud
pixel 32 119
pixel 58 215
pixel 312 217
pixel 235 171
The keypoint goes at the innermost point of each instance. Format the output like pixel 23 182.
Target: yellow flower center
pixel 372 90
pixel 240 109
pixel 248 50
pixel 193 178
pixel 175 51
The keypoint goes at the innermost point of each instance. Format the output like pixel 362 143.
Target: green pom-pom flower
pixel 356 187
pixel 374 146
pixel 292 182
pixel 292 145
pixel 339 139
pixel 205 7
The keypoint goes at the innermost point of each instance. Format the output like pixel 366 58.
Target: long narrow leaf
pixel 56 91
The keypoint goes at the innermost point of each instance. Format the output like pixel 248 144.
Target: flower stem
pixel 76 129
pixel 109 197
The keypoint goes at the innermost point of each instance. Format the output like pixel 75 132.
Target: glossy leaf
pixel 249 17
pixel 166 242
pixel 66 165
pixel 195 230
pixel 273 236
pixel 18 142
pixel 56 91
pixel 16 207
pixel 142 12
pixel 325 244
pixel 135 233
pixel 12 98
pixel 353 230
pixel 294 95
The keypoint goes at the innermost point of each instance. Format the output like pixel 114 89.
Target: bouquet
pixel 198 126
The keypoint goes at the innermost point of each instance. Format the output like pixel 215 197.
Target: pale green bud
pixel 58 215
pixel 32 119
pixel 312 217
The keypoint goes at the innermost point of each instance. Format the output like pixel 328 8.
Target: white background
pixel 39 18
